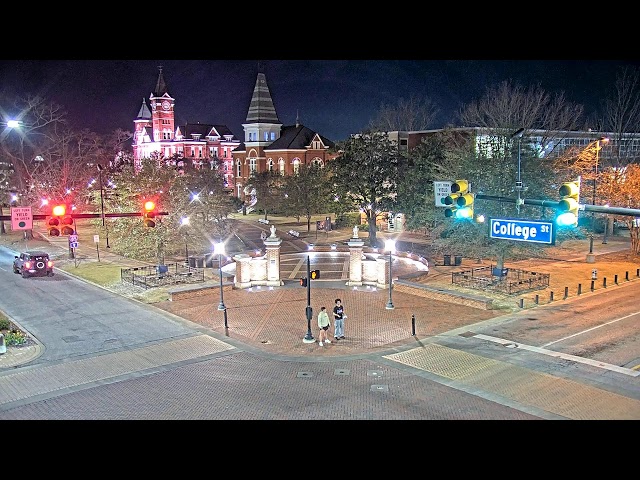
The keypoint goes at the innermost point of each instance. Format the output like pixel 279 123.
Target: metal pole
pixel 593 199
pixel 102 204
pixel 308 338
pixel 221 305
pixel 390 303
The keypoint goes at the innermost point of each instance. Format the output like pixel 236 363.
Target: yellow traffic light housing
pixel 569 203
pixel 149 214
pixel 315 274
pixel 460 200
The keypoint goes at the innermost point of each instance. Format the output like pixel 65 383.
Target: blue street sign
pixel 535 231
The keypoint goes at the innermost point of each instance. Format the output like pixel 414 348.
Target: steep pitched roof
pixel 204 130
pixel 144 113
pixel 297 137
pixel 261 109
pixel 161 86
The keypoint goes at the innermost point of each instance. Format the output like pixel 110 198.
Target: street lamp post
pixel 391 246
pixel 219 249
pixel 100 167
pixel 593 197
pixel 518 134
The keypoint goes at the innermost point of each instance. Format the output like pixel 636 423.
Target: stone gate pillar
pixel 355 260
pixel 243 270
pixel 272 245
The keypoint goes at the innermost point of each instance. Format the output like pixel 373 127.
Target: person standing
pixel 338 318
pixel 324 324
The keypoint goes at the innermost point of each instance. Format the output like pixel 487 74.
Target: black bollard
pixel 551 296
pixel 615 279
pixel 413 325
pixel 593 285
pixel 522 303
pixel 604 282
pixel 626 276
pixel 566 292
pixel 579 289
pixel 537 299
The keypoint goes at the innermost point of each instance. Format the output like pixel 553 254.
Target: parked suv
pixel 33 264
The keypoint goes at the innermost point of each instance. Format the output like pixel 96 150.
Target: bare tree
pixel 622 113
pixel 416 113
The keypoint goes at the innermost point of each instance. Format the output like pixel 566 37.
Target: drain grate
pixel 374 373
pixel 341 371
pixel 304 374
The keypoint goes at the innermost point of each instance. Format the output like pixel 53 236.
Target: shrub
pixel 5 324
pixel 15 337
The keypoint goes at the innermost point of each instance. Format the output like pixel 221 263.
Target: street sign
pixel 441 191
pixel 534 231
pixel 96 239
pixel 21 218
pixel 73 244
pixel 73 238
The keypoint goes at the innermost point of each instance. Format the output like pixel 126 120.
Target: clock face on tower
pixel 166 105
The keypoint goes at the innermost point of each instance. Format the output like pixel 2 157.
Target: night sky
pixel 333 97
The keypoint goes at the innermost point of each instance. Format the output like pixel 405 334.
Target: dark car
pixel 33 264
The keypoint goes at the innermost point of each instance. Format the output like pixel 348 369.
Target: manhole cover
pixel 374 373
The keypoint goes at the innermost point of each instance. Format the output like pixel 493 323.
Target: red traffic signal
pixel 303 281
pixel 149 214
pixel 67 226
pixel 52 226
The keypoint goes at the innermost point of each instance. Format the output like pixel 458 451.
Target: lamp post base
pixel 390 306
pixel 591 258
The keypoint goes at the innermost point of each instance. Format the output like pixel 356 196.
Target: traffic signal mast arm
pixel 87 215
pixel 554 204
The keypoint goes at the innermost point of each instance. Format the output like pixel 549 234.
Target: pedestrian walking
pixel 324 324
pixel 338 319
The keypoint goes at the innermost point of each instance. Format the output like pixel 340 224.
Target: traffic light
pixel 149 214
pixel 315 274
pixel 53 226
pixel 460 201
pixel 569 202
pixel 303 281
pixel 55 221
pixel 67 227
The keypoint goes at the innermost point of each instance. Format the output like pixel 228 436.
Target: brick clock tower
pixel 162 114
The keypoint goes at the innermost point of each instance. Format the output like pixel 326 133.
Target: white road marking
pixel 592 328
pixel 564 356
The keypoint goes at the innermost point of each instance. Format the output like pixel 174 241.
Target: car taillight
pixel 50 264
pixel 27 265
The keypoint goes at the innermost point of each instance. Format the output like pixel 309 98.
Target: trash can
pixel 447 260
pixel 192 262
pixel 458 260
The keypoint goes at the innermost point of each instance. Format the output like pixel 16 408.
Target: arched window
pixel 281 165
pixel 317 161
pixel 296 165
pixel 270 164
pixel 238 168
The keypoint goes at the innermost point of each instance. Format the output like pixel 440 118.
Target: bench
pixel 293 233
pixel 262 220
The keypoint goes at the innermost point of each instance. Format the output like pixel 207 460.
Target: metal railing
pixel 507 280
pixel 161 275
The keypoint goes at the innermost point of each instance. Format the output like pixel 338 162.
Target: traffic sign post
pixel 21 218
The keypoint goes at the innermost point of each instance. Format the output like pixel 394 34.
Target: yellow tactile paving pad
pixel 560 396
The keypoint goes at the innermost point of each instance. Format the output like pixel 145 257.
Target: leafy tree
pixel 268 190
pixel 365 175
pixel 308 192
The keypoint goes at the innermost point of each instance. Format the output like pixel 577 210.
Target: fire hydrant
pixel 594 274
